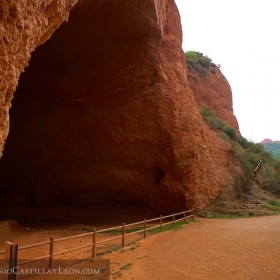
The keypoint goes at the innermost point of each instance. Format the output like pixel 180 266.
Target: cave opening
pixel 71 114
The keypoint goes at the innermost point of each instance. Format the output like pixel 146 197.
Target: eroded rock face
pixel 104 113
pixel 213 91
pixel 24 25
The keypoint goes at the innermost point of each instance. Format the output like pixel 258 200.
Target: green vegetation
pixel 227 133
pixel 177 226
pixel 249 155
pixel 217 215
pixel 225 215
pixel 214 71
pixel 119 231
pixel 199 62
pixel 118 274
pixel 217 124
pixel 269 177
pixel 275 203
pixel 126 266
pixel 273 148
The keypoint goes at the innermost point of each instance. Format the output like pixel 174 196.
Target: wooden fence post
pixel 161 227
pixel 145 228
pixel 193 213
pixel 173 217
pixel 8 246
pixel 94 244
pixel 184 215
pixel 123 234
pixel 51 252
pixel 13 261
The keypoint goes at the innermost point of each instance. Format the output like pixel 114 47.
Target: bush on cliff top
pixel 198 61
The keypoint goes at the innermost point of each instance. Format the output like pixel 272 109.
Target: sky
pixel 242 36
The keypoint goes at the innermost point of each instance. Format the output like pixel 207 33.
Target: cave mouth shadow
pixel 65 119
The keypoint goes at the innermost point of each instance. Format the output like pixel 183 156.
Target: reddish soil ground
pixel 208 249
pixel 236 249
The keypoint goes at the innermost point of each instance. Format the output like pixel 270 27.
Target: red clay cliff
pixel 24 25
pixel 213 91
pixel 104 112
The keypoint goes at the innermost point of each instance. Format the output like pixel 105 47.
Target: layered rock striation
pixel 104 112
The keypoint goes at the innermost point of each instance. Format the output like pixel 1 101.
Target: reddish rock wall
pixel 104 113
pixel 24 25
pixel 213 91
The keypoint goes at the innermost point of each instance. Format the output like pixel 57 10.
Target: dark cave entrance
pixel 69 114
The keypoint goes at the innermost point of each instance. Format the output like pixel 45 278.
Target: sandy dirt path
pixel 234 249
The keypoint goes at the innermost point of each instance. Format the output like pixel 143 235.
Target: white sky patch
pixel 242 36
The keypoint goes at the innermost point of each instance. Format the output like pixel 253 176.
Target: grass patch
pixel 217 124
pixel 126 266
pixel 118 231
pixel 217 215
pixel 130 230
pixel 118 274
pixel 274 203
pixel 109 249
pixel 132 246
pixel 177 226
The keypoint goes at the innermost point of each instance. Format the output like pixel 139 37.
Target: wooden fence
pixel 11 250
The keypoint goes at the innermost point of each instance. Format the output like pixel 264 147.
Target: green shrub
pixel 248 155
pixel 205 61
pixel 191 55
pixel 199 62
pixel 231 133
pixel 243 142
pixel 242 184
pixel 215 123
pixel 211 118
pixel 224 136
pixel 269 177
pixel 274 203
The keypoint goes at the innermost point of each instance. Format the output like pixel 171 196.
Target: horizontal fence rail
pixel 11 250
pixel 73 237
pixel 33 245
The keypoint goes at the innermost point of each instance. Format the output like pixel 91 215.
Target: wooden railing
pixel 11 250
